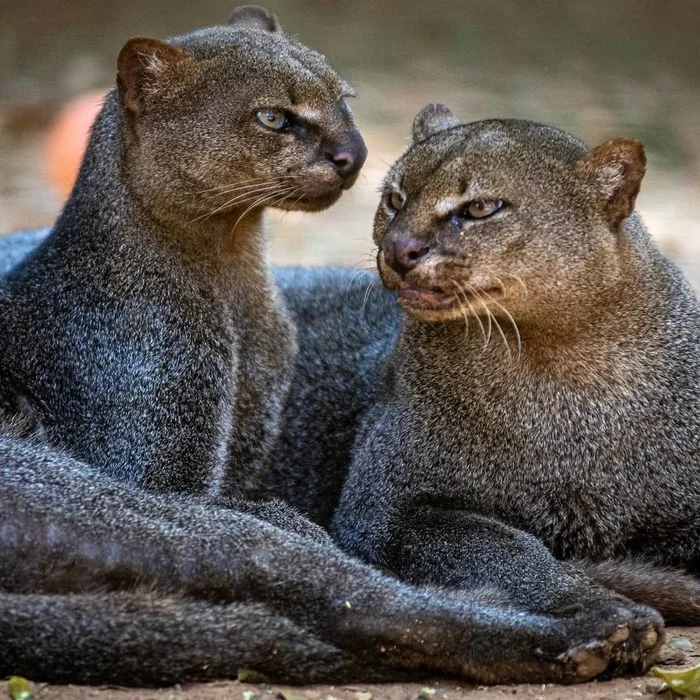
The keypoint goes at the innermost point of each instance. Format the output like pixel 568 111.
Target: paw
pixel 614 639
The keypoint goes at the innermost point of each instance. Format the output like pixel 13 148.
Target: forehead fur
pixel 491 139
pixel 266 58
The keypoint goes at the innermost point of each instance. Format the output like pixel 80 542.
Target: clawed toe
pixel 631 646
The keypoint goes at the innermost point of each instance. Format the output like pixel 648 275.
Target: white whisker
pixel 257 203
pixel 488 315
pixel 368 293
pixel 225 189
pixel 240 199
pixel 474 313
pixel 512 322
pixel 519 280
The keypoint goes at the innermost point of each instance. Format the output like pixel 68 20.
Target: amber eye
pixel 275 119
pixel 396 200
pixel 481 208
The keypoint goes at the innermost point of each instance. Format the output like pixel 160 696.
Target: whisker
pixel 238 198
pixel 368 293
pixel 233 186
pixel 286 197
pixel 498 325
pixel 488 314
pixel 504 337
pixel 473 310
pixel 513 323
pixel 500 284
pixel 294 203
pixel 465 316
pixel 258 202
pixel 356 275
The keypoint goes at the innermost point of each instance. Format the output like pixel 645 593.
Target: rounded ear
pixel 141 66
pixel 432 119
pixel 254 17
pixel 615 170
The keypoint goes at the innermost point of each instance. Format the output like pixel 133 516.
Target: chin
pixel 432 315
pixel 312 202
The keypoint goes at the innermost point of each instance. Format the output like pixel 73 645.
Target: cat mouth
pixel 427 298
pixel 317 197
pixel 436 298
pixel 319 201
pixel 349 182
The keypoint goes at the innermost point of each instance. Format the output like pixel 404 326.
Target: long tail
pixel 142 639
pixel 674 593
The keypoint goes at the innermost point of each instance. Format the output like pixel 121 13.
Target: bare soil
pixel 618 689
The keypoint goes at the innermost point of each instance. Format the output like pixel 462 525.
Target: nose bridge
pixel 411 224
pixel 336 124
pixel 342 135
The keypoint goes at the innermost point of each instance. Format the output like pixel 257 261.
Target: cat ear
pixel 432 119
pixel 141 66
pixel 615 170
pixel 254 17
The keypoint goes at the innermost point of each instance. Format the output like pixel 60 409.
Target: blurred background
pixel 598 68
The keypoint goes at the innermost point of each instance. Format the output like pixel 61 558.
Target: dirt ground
pixel 618 689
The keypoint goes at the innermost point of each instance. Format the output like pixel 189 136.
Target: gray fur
pixel 257 596
pixel 146 357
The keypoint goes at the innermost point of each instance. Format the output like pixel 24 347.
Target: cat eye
pixel 396 200
pixel 481 208
pixel 275 119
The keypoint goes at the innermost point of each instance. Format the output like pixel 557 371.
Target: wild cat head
pixel 502 217
pixel 235 117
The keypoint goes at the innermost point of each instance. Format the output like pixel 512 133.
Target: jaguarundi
pixel 145 359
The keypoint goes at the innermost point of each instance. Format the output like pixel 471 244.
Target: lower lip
pixel 435 300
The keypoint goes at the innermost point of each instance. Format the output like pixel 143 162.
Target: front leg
pixel 458 549
pixel 385 518
pixel 266 353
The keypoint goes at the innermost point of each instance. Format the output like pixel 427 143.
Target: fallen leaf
pixel 20 688
pixel 682 643
pixel 286 695
pixel 685 682
pixel 249 675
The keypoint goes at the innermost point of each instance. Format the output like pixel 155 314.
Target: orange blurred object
pixel 67 139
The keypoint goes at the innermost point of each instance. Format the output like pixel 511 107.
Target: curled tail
pixel 673 592
pixel 141 639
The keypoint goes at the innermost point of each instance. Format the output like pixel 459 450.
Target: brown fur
pixel 546 377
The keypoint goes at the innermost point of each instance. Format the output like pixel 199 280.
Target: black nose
pixel 348 157
pixel 403 255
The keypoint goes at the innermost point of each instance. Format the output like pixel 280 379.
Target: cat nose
pixel 348 158
pixel 344 162
pixel 403 255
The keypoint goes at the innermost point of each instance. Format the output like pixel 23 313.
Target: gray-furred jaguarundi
pixel 145 357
